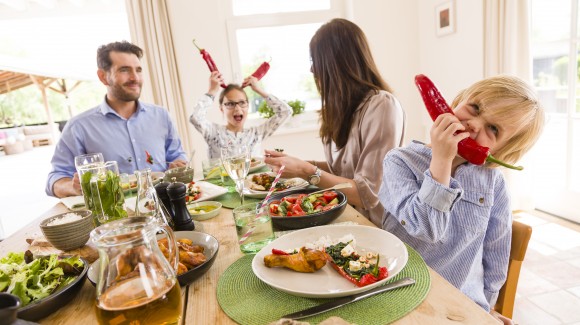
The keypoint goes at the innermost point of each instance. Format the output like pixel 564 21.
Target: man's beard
pixel 120 93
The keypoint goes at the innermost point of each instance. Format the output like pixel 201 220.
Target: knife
pixel 347 300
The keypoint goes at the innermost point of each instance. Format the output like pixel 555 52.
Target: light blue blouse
pixel 462 231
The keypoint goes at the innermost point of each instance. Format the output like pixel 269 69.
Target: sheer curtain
pixel 150 29
pixel 507 51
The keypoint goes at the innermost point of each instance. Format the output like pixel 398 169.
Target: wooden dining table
pixel 444 303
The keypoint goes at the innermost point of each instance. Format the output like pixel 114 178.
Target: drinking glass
pixel 89 159
pixel 253 227
pixel 236 161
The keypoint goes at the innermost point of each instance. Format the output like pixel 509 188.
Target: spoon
pixel 335 187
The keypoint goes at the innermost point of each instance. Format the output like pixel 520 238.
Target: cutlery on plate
pixel 347 300
pixel 335 187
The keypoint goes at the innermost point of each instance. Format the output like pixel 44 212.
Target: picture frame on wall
pixel 445 18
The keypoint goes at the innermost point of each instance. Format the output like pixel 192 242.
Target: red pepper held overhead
pixel 208 59
pixel 261 71
pixel 467 148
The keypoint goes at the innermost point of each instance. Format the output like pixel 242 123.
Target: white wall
pixel 402 37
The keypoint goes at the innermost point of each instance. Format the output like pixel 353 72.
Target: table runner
pixel 248 300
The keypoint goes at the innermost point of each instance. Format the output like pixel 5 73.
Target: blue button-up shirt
pixel 463 231
pixel 101 129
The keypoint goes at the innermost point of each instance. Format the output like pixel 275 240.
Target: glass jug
pixel 101 187
pixel 148 203
pixel 137 282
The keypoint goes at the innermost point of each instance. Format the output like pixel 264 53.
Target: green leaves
pixel 37 279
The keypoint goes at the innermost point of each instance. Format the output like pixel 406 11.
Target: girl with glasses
pixel 233 103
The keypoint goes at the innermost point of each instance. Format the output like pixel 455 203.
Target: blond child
pixel 456 214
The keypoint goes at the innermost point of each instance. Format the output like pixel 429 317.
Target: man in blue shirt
pixel 122 128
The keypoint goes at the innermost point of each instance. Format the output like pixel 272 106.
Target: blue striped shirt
pixel 462 231
pixel 101 129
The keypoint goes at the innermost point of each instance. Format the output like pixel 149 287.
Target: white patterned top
pixel 217 136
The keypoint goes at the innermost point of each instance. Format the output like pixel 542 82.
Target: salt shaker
pixel 182 219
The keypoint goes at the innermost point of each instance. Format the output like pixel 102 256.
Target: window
pixel 278 32
pixel 555 41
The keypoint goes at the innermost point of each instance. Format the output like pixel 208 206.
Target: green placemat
pixel 232 200
pixel 248 300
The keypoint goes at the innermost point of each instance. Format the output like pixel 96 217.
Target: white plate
pixel 208 191
pixel 299 183
pixel 259 163
pixel 156 177
pixel 326 282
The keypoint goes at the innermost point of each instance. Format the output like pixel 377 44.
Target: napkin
pixel 74 202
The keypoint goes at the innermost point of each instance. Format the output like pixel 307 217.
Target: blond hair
pixel 511 100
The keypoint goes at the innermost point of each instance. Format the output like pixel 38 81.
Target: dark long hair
pixel 344 73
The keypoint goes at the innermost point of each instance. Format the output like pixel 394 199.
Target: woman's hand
pixel 255 85
pixel 293 167
pixel 215 79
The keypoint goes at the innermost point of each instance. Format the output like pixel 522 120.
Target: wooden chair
pixel 521 234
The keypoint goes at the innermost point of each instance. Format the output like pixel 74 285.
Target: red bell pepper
pixel 278 252
pixel 148 158
pixel 467 148
pixel 365 279
pixel 209 61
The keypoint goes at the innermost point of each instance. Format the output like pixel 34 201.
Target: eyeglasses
pixel 232 105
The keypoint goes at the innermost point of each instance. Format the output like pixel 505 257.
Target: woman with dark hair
pixel 360 119
pixel 233 103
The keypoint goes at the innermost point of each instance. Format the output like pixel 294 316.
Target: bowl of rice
pixel 69 230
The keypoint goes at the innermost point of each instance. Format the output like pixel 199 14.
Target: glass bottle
pixel 148 203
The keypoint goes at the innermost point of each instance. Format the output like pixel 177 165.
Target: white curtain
pixel 151 30
pixel 507 51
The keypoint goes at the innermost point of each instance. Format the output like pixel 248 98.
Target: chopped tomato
pixel 329 195
pixel 290 199
pixel 328 207
pixel 297 209
pixel 274 208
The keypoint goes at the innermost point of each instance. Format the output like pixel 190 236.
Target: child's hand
pixel 255 85
pixel 215 79
pixel 445 135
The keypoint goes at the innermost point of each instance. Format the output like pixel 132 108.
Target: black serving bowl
pixel 43 307
pixel 311 220
pixel 210 243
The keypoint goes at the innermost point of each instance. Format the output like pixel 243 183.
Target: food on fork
pixel 305 260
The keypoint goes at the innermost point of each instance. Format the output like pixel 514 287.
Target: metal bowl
pixel 311 220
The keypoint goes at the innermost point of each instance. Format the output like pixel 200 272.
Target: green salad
pixel 33 279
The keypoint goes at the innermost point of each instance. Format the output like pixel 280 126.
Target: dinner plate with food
pixel 129 181
pixel 257 185
pixel 196 191
pixel 330 261
pixel 256 163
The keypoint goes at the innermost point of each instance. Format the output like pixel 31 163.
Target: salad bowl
pixel 310 220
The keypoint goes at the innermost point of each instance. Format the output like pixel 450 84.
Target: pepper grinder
pixel 182 218
pixel 161 190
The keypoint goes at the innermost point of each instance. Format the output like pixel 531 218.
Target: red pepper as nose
pixel 209 61
pixel 467 148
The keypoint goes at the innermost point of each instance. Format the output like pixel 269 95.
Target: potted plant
pixel 297 106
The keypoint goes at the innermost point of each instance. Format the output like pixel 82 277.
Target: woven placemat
pixel 248 300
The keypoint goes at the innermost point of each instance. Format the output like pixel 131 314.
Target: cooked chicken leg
pixel 306 260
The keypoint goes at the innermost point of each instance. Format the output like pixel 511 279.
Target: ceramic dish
pixel 326 282
pixel 256 164
pixel 198 238
pixel 47 305
pixel 70 235
pixel 296 183
pixel 208 192
pixel 198 213
pixel 311 220
pixel 156 177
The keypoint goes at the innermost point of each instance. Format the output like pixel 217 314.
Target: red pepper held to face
pixel 208 59
pixel 467 148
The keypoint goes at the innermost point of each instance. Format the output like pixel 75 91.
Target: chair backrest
pixel 521 234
